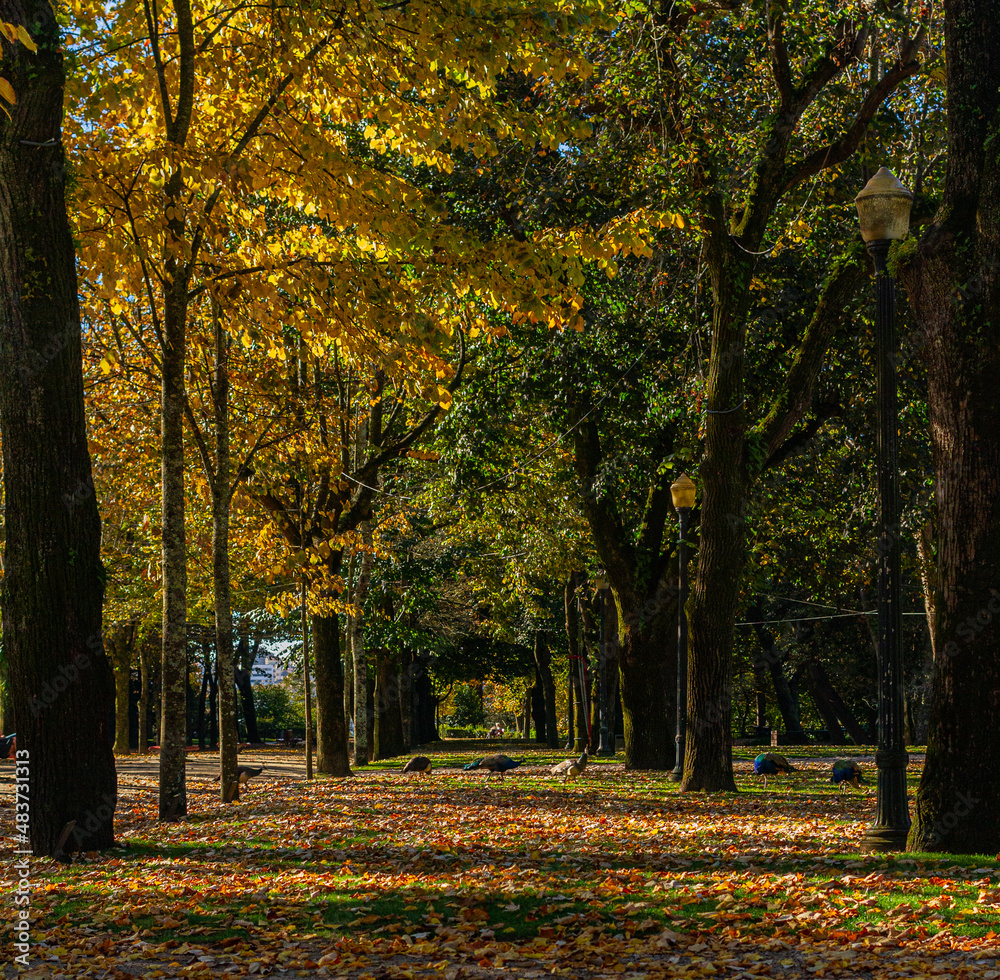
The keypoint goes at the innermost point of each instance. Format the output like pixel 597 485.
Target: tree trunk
pixel 62 686
pixel 577 659
pixel 825 706
pixel 173 673
pixel 242 681
pixel 953 282
pixel 363 722
pixel 203 722
pixel 388 719
pixel 225 668
pixel 543 658
pixel 771 655
pixel 119 651
pixel 331 729
pixel 821 680
pixel 708 755
pixel 760 721
pixel 538 708
pixel 424 704
pixel 646 647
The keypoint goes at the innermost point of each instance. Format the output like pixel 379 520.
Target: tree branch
pixel 832 309
pixel 839 150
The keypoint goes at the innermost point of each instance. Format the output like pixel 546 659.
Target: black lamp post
pixel 604 746
pixel 682 491
pixel 884 211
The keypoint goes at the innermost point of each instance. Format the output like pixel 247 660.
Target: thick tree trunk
pixel 543 661
pixel 953 281
pixel 331 729
pixel 647 666
pixel 61 682
pixel 708 758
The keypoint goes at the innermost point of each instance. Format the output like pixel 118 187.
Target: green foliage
pixel 467 707
pixel 276 710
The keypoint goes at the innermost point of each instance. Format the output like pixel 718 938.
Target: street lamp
pixel 682 491
pixel 884 212
pixel 604 746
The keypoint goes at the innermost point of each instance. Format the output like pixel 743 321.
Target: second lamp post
pixel 682 490
pixel 884 212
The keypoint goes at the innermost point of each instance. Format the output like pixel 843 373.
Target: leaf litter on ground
pixel 615 873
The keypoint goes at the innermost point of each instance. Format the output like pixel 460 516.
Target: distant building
pixel 267 670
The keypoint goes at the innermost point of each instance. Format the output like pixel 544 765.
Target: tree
pixel 800 125
pixel 952 278
pixel 53 585
pixel 222 164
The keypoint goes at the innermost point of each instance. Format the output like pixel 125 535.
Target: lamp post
pixel 604 746
pixel 682 490
pixel 884 211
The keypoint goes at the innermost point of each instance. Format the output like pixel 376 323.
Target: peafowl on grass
pixel 570 767
pixel 419 763
pixel 770 764
pixel 495 764
pixel 847 773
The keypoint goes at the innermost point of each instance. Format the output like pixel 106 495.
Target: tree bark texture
pixel 62 686
pixel 363 723
pixel 388 714
pixel 725 482
pixel 119 647
pixel 953 282
pixel 543 661
pixel 331 728
pixel 577 662
pixel 221 483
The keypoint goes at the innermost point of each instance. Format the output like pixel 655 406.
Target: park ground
pixel 613 874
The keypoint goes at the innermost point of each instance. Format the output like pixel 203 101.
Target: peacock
pixel 495 763
pixel 770 764
pixel 419 763
pixel 570 767
pixel 847 773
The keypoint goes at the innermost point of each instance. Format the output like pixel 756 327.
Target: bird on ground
pixel 847 773
pixel 419 763
pixel 770 764
pixel 495 764
pixel 245 773
pixel 570 767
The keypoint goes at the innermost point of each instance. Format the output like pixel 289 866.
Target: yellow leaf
pixel 7 91
pixel 105 366
pixel 26 38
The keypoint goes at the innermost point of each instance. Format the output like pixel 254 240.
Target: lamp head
pixel 884 208
pixel 683 490
pixel 600 581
